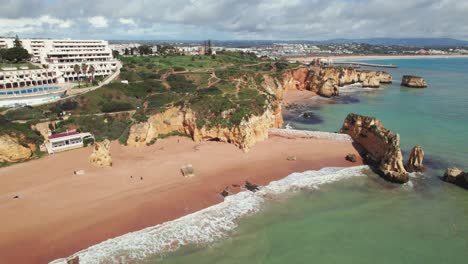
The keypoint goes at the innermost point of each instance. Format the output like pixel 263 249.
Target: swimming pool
pixel 30 90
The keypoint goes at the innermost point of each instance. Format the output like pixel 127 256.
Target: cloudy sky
pixel 234 19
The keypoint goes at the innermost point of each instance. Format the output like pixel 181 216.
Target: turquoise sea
pixel 364 219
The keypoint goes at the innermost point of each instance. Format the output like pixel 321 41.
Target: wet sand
pixel 59 213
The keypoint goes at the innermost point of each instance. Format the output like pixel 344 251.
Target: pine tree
pixel 17 42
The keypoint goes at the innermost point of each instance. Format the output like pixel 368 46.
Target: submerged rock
pixel 457 177
pixel 380 147
pixel 251 186
pixel 413 81
pixel 73 260
pixel 415 161
pixel 101 156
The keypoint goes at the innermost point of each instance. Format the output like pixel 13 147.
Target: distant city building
pixel 62 55
pixel 121 47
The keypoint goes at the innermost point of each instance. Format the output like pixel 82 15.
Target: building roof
pixel 64 134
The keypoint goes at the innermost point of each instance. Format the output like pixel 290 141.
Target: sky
pixel 233 19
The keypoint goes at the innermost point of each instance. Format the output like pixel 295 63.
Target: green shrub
pixel 109 107
pixel 24 113
pixel 179 69
pixel 180 84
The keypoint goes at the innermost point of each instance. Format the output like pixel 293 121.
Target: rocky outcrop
pixel 101 156
pixel 244 136
pixel 12 151
pixel 251 130
pixel 456 176
pixel 328 88
pixel 415 161
pixel 326 80
pixel 374 78
pixel 413 81
pixel 297 79
pixel 380 147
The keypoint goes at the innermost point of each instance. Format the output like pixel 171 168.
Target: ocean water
pixel 365 219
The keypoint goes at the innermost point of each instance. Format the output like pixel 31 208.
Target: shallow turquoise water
pixel 366 220
pixel 435 118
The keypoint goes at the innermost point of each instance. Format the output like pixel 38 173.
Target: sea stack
pixel 413 81
pixel 379 147
pixel 415 162
pixel 457 177
pixel 101 156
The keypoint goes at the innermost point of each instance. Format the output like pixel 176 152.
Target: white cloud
pixel 27 25
pixel 287 19
pixel 127 21
pixel 98 22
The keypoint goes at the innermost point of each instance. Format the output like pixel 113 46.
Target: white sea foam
pixel 311 134
pixel 208 225
pixel 353 88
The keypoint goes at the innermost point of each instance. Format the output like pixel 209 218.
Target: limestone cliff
pixel 101 156
pixel 244 136
pixel 326 80
pixel 413 81
pixel 12 151
pixel 380 147
pixel 183 120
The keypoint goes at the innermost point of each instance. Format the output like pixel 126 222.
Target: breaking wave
pixel 208 225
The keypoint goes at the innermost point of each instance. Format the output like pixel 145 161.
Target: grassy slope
pixel 222 91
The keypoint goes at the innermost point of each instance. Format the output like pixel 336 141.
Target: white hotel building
pixel 63 54
pixel 25 86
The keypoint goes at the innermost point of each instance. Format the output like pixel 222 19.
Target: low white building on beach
pixel 67 141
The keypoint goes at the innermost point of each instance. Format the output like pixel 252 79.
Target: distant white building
pixel 63 54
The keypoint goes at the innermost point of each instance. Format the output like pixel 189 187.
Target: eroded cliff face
pixel 380 147
pixel 244 136
pixel 326 80
pixel 12 151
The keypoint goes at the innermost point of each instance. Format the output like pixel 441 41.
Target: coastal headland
pixel 213 115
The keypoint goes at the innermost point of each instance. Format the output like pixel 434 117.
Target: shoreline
pixel 375 57
pixel 210 224
pixel 143 189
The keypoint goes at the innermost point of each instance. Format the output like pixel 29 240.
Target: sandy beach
pixel 372 57
pixel 58 213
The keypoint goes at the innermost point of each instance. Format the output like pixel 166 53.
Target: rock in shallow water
pixel 380 147
pixel 415 162
pixel 413 81
pixel 457 177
